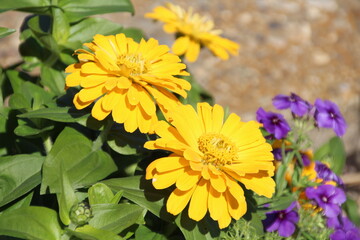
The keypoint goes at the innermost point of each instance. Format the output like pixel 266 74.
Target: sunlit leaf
pixel 6 31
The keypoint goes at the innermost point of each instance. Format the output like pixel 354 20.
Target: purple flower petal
pixel 281 102
pixel 286 229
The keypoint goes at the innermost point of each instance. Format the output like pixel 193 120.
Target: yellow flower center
pixel 132 65
pixel 218 150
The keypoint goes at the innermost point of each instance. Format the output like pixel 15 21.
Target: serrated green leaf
pixel 18 175
pixel 99 193
pixel 332 152
pixel 53 79
pixel 91 233
pixel 38 223
pixel 115 217
pixel 6 31
pixel 85 30
pixel 72 152
pixel 76 10
pixel 58 114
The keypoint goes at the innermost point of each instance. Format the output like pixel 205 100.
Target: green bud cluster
pixel 80 213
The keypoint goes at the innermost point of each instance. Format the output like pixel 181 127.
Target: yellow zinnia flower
pixel 127 78
pixel 209 155
pixel 194 31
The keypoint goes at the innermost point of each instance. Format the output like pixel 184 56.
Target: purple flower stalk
pixel 328 115
pixel 297 105
pixel 274 123
pixel 328 197
pixel 283 221
pixel 325 173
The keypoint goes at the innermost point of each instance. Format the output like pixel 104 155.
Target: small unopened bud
pixel 80 213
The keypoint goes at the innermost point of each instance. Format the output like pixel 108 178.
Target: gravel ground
pixel 309 47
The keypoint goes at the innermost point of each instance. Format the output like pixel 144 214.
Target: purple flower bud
pixel 328 115
pixel 297 105
pixel 283 221
pixel 274 123
pixel 328 197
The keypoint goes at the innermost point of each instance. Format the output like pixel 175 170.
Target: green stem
pixel 103 135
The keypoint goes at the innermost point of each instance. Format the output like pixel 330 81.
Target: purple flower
pixel 344 228
pixel 274 123
pixel 327 115
pixel 341 234
pixel 297 105
pixel 328 197
pixel 325 173
pixel 283 221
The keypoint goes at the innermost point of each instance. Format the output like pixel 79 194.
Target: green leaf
pixel 332 152
pixel 144 233
pixel 99 193
pixel 126 143
pixel 206 229
pixel 38 223
pixel 72 152
pixel 18 175
pixel 134 33
pixel 141 192
pixel 197 93
pixel 66 198
pixel 18 101
pixel 58 114
pixel 53 79
pixel 28 131
pixel 9 5
pixel 24 202
pixel 90 233
pixel 85 30
pixel 115 217
pixel 60 25
pixel 352 210
pixel 6 31
pixel 46 39
pixel 76 10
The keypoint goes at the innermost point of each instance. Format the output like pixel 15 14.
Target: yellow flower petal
pixel 90 94
pixel 199 201
pixel 217 204
pixel 193 51
pixel 98 112
pixel 178 200
pixel 264 186
pixel 166 179
pixel 188 179
pixel 180 45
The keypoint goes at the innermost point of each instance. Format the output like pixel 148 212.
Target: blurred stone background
pixel 309 47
